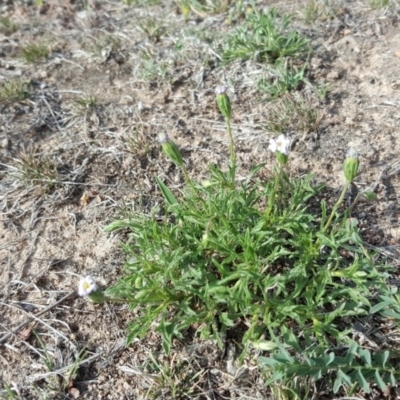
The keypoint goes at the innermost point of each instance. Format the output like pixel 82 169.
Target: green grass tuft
pixel 14 91
pixel 34 52
pixel 264 37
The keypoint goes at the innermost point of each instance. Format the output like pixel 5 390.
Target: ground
pixel 78 149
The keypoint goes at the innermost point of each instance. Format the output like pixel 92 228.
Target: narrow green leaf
pixel 391 314
pixel 351 352
pixel 344 377
pixel 166 192
pixel 268 362
pixel 113 226
pixel 265 345
pixel 392 379
pixel 379 380
pixel 278 375
pixel 385 357
pixel 362 381
pixel 337 385
pixel 379 306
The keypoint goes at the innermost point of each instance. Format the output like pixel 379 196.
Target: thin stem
pixel 188 180
pixel 231 144
pixel 275 189
pixel 231 150
pixel 337 204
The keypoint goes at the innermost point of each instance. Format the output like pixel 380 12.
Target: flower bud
pixel 224 104
pixel 281 157
pixel 350 165
pixel 170 149
pixel 97 296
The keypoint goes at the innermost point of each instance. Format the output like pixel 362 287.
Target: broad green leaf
pixel 166 192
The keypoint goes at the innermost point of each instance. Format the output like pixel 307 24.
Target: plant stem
pixel 188 180
pixel 275 189
pixel 337 204
pixel 231 148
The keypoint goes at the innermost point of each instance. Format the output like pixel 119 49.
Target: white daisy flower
pixel 86 286
pixel 281 144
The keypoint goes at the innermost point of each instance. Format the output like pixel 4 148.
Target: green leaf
pixel 330 358
pixel 391 314
pixel 365 355
pixel 380 306
pixel 265 345
pixel 379 380
pixel 167 331
pixel 371 196
pixel 351 352
pixel 166 192
pixel 344 377
pixel 362 381
pixel 113 226
pixel 392 379
pixel 337 385
pixel 278 375
pixel 268 362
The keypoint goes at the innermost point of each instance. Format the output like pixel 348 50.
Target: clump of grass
pixel 7 27
pixel 56 384
pixel 36 169
pixel 153 29
pixel 283 78
pixel 153 70
pixel 103 46
pixel 264 37
pixel 202 8
pixel 293 113
pixel 35 51
pixel 86 102
pixel 377 4
pixel 257 255
pixel 14 91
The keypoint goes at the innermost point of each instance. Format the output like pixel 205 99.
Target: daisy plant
pixel 253 259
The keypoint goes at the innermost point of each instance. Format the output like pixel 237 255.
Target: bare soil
pixel 98 161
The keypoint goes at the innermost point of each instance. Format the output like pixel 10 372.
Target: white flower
pixel 281 144
pixel 221 90
pixel 163 138
pixel 86 286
